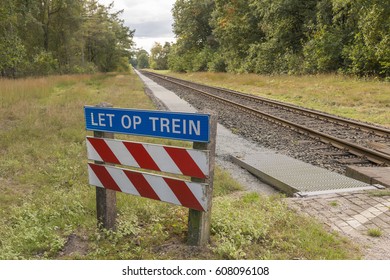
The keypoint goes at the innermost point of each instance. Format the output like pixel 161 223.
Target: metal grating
pixel 294 176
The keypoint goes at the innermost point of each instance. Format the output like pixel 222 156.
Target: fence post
pixel 199 221
pixel 105 198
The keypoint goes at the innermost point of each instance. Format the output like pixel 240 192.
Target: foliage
pixel 12 50
pixel 217 63
pixel 235 27
pixel 192 23
pixel 44 64
pixel 61 36
pixel 140 59
pixel 159 56
pixel 180 61
pixel 12 53
pixel 195 38
pixel 322 52
pixel 283 36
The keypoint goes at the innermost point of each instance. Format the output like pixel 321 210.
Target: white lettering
pixel 176 126
pixel 101 119
pixel 126 118
pixel 153 119
pixel 164 123
pixel 136 121
pixel 195 128
pixel 110 116
pixel 93 121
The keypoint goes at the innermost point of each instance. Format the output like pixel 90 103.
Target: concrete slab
pixel 370 175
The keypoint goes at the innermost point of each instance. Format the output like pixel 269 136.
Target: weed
pixel 333 203
pixel 235 130
pixel 380 193
pixel 374 232
pixel 225 184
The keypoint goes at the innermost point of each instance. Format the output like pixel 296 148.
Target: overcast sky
pixel 152 20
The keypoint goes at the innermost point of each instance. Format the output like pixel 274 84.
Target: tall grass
pixel 42 149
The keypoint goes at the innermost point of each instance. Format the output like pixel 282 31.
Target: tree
pixel 369 52
pixel 141 60
pixel 12 54
pixel 12 51
pixel 192 23
pixel 351 37
pixel 159 56
pixel 61 36
pixel 195 40
pixel 107 39
pixel 236 28
pixel 285 24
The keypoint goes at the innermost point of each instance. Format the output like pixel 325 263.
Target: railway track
pixel 367 141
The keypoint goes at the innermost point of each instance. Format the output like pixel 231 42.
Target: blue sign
pixel 173 125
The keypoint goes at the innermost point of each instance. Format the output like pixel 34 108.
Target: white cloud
pixel 146 42
pixel 152 20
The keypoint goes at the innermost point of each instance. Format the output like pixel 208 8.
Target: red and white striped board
pixel 188 162
pixel 189 194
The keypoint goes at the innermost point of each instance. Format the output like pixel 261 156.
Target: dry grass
pixel 42 157
pixel 366 100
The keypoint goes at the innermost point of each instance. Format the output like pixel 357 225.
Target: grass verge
pixel 366 100
pixel 47 208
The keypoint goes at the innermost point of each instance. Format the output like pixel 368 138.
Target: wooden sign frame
pixel 198 221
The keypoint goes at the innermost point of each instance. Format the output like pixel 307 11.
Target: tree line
pixel 157 59
pixel 40 37
pixel 282 36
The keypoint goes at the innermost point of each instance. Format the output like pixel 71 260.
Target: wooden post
pixel 199 221
pixel 105 198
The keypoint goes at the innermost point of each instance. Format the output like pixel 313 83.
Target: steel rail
pixel 369 154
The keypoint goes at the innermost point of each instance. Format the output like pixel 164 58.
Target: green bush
pixel 217 63
pixel 264 58
pixel 123 64
pixel 44 64
pixel 177 60
pixel 12 54
pixel 201 60
pixel 88 68
pixel 322 53
pixel 235 231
